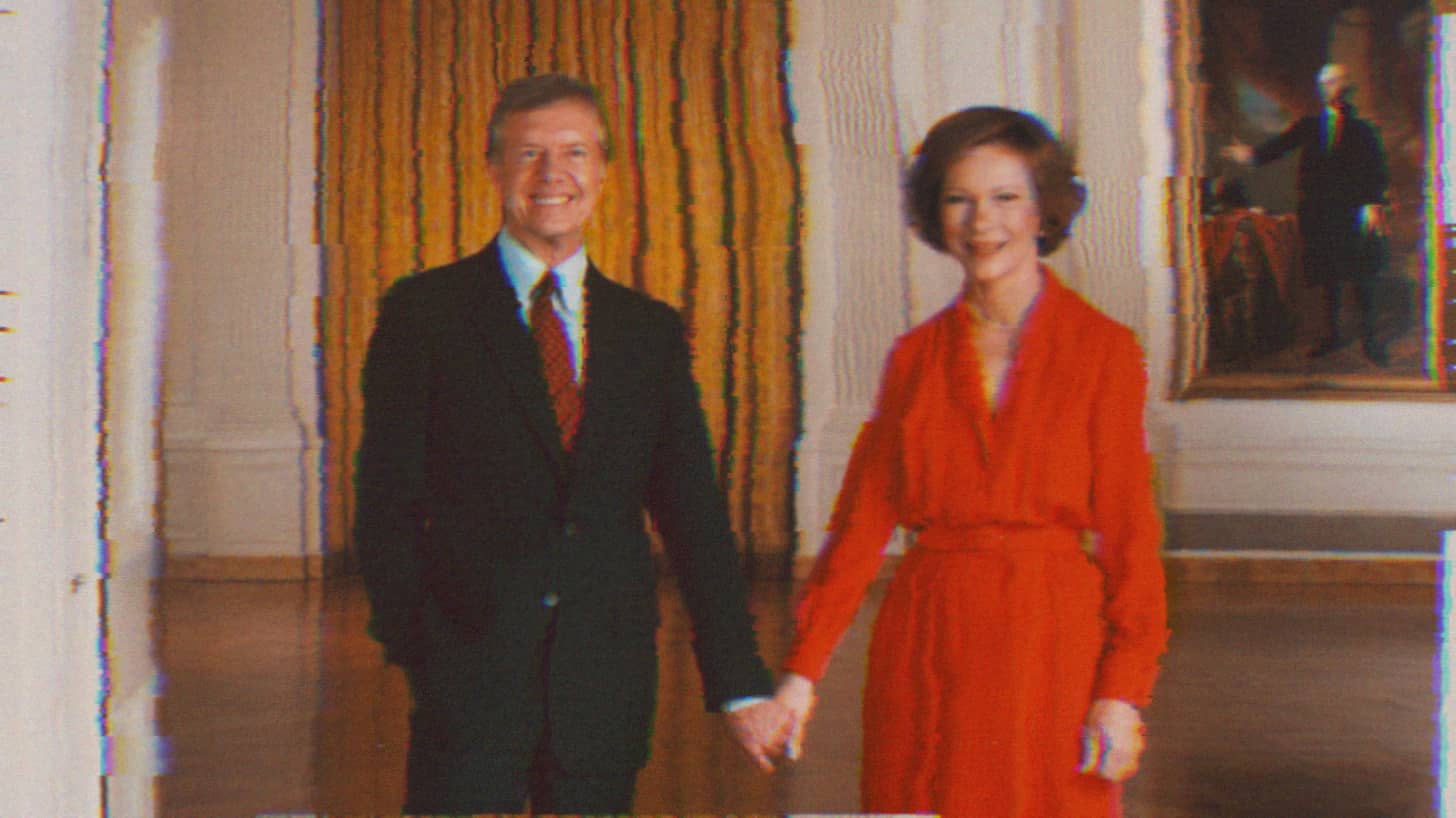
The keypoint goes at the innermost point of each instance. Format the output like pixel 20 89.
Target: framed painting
pixel 1309 245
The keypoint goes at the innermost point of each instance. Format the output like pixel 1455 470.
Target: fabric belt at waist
pixel 995 538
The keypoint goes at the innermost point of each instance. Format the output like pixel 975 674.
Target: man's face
pixel 549 169
pixel 1333 83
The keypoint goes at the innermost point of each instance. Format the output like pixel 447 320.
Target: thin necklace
pixel 979 313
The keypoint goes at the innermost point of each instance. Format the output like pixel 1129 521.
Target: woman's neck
pixel 1004 302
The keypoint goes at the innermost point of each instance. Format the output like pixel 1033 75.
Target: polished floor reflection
pixel 1277 701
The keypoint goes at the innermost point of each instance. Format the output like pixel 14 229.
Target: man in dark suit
pixel 521 411
pixel 1341 187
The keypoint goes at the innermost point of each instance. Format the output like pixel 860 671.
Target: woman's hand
pixel 762 730
pixel 1112 740
pixel 1372 220
pixel 796 693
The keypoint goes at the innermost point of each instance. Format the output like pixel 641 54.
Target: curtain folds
pixel 701 209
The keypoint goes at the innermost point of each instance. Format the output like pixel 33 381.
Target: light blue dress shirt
pixel 524 270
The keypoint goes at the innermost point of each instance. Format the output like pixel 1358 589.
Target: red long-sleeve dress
pixel 1034 585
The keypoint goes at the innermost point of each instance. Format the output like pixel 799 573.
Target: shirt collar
pixel 523 270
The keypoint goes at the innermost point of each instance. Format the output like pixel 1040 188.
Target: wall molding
pixel 1336 476
pixel 193 434
pixel 227 500
pixel 1296 533
pixel 295 568
pixel 1305 567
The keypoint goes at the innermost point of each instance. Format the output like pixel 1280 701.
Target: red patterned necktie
pixel 550 335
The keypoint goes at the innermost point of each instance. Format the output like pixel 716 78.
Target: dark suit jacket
pixel 1333 186
pixel 469 513
pixel 1352 175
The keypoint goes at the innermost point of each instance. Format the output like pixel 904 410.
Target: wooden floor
pixel 1276 701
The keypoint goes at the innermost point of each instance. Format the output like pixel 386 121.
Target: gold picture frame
pixel 1254 317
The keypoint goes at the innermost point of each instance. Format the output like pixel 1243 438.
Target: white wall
pixel 51 58
pixel 239 136
pixel 855 247
pixel 1283 456
pixel 868 80
pixel 158 187
pixel 136 290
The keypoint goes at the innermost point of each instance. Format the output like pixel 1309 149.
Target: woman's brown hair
pixel 1059 193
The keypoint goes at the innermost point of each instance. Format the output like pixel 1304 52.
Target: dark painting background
pixel 1256 67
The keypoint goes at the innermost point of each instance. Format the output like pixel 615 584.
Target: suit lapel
pixel 603 343
pixel 496 315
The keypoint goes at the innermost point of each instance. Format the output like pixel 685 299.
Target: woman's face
pixel 989 215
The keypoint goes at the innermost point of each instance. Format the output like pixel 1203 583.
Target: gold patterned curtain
pixel 701 207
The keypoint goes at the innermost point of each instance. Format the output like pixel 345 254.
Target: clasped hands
pixel 774 727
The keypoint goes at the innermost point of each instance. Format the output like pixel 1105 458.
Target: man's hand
pixel 1372 220
pixel 761 729
pixel 1239 152
pixel 1112 740
pixel 796 693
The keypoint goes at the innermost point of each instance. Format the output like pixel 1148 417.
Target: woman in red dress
pixel 1022 630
